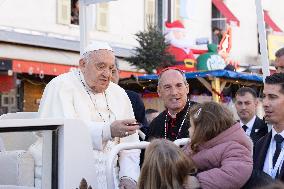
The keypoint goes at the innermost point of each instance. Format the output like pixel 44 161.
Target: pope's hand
pixel 123 128
pixel 126 183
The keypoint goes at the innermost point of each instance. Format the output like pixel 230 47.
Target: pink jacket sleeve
pixel 234 171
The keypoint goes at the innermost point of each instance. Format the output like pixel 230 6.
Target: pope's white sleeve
pixel 129 159
pixel 100 133
pixel 129 163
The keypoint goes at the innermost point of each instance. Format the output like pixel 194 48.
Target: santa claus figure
pixel 181 46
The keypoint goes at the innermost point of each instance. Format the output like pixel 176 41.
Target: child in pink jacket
pixel 220 149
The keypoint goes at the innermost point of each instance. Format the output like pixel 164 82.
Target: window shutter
pixel 149 12
pixel 64 11
pixel 102 16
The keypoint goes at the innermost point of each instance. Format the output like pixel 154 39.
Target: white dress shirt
pixel 249 125
pixel 272 148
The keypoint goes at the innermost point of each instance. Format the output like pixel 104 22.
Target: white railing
pixel 128 146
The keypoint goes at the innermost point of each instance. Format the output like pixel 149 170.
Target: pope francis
pixel 88 94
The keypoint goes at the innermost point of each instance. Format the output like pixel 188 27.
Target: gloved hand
pixel 127 183
pixel 123 128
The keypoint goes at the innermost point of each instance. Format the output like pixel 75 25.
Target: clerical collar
pixel 185 112
pixel 171 115
pixel 179 113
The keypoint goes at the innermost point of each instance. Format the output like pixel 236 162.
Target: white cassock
pixel 65 96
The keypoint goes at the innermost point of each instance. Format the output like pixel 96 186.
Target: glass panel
pixel 218 19
pixel 75 12
pixel 27 157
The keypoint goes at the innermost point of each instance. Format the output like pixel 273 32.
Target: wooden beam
pixel 205 83
pixel 216 86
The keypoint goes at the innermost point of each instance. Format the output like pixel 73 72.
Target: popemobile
pixel 67 153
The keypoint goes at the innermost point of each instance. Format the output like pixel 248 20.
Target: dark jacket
pixel 259 129
pixel 138 107
pixel 259 154
pixel 157 126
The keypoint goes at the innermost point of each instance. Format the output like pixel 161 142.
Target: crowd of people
pixel 221 152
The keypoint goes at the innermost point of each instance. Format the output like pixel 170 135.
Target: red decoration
pixel 180 46
pixel 31 67
pixel 174 25
pixel 150 95
pixel 6 83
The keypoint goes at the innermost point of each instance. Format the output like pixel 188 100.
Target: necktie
pixel 279 139
pixel 245 127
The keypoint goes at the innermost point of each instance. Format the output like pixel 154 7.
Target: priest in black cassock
pixel 172 123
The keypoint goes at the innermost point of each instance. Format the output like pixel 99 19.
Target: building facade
pixel 40 39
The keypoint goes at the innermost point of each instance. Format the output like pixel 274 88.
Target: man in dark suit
pixel 246 104
pixel 269 153
pixel 136 101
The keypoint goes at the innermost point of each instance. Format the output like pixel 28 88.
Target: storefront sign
pixel 275 42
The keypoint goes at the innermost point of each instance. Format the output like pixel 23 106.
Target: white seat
pixel 2 147
pixel 17 168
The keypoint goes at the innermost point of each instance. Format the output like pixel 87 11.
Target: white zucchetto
pixel 96 45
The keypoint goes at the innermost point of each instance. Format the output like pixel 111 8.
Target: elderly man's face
pixel 97 70
pixel 173 90
pixel 273 103
pixel 279 64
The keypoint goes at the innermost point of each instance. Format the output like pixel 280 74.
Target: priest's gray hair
pixel 178 70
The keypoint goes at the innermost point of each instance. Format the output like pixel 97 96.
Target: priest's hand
pixel 127 183
pixel 123 128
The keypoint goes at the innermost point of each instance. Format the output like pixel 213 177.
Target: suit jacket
pixel 259 154
pixel 259 129
pixel 138 107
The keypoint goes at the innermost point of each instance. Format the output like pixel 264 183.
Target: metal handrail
pixel 112 155
pixel 128 146
pixel 181 141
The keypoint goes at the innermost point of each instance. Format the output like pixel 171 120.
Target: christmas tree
pixel 151 54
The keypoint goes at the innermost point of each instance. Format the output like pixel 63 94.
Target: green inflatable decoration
pixel 210 60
